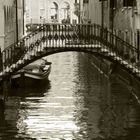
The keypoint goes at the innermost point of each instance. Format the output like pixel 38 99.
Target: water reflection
pixel 77 104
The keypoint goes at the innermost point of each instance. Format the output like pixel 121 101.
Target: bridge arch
pixel 20 64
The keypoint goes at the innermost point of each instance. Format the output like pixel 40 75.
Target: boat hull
pixel 29 79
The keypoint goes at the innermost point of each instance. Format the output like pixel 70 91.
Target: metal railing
pixel 78 35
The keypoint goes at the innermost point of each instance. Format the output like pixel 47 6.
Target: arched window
pixel 54 12
pixel 66 12
pixel 42 10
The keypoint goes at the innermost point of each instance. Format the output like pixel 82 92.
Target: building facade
pixel 120 16
pixel 91 11
pixel 11 25
pixel 124 18
pixel 50 11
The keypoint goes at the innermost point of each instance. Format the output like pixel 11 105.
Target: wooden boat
pixel 32 75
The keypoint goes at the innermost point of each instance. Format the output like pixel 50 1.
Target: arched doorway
pixel 54 12
pixel 66 12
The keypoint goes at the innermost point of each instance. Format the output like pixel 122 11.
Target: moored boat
pixel 32 75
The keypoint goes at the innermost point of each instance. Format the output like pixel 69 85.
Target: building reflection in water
pixel 14 112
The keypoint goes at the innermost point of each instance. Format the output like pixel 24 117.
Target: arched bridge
pixel 49 39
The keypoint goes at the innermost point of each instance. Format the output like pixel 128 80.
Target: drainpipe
pixel 16 20
pixel 102 18
pixel 23 16
pixel 112 17
pixel 79 11
pixel 102 12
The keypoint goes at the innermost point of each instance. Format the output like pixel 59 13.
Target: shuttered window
pixel 127 3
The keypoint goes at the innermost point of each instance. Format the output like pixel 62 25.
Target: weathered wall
pixel 7 30
pixel 126 20
pixel 8 22
pixel 20 18
pixel 92 12
pixel 2 35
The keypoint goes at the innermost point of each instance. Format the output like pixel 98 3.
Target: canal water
pixel 78 103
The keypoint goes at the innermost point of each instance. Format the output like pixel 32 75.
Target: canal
pixel 79 103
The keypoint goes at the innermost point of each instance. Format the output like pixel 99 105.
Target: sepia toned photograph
pixel 69 69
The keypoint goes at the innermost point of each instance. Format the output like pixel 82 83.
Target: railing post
pixel 1 62
pixel 138 45
pixel 5 58
pixel 13 53
pixel 94 32
pixel 8 57
pixel 88 33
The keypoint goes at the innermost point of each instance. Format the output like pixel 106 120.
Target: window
pixel 85 1
pixel 42 10
pixel 113 3
pixel 65 12
pixel 127 3
pixel 134 3
pixel 54 11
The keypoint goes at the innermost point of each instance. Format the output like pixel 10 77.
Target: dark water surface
pixel 79 103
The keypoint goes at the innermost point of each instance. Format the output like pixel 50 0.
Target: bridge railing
pixel 64 35
pixel 14 52
pixel 95 34
pixel 90 34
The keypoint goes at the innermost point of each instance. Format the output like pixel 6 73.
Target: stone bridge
pixel 49 39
